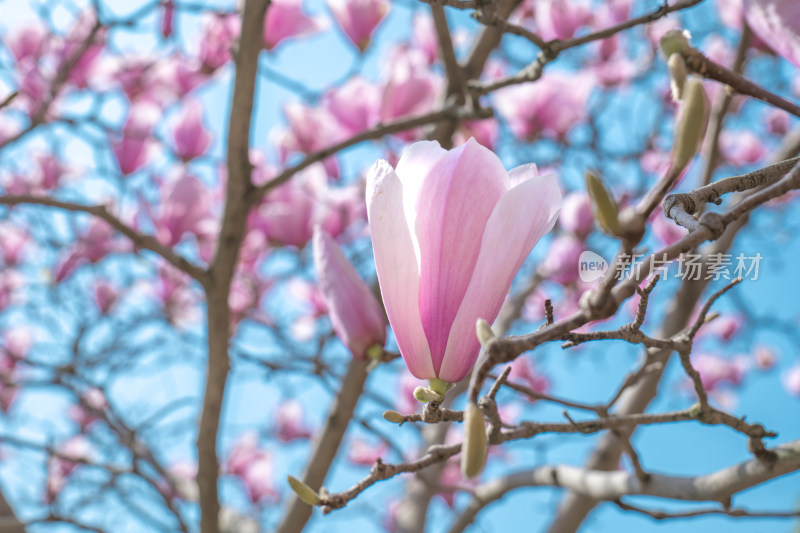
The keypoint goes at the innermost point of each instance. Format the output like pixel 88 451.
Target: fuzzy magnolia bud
pixel 484 331
pixel 426 395
pixel 690 127
pixel 675 42
pixel 604 207
pixel 475 447
pixel 677 75
pixel 394 417
pixel 303 491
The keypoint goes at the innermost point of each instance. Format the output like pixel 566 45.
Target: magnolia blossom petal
pixel 518 221
pixel 396 266
pixel 356 315
pixel 777 22
pixel 460 192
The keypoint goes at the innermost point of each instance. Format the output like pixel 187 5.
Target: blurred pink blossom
pixel 424 37
pixel 777 121
pixel 715 370
pixel 791 380
pixel 190 135
pixel 92 403
pixel 410 87
pixel 133 149
pixel 105 295
pixel 741 147
pixel 167 18
pixel 253 466
pixel 523 372
pixel 549 107
pixel 724 326
pixel 286 19
pixel 765 357
pixel 28 42
pixel 219 35
pixel 560 19
pixel 777 23
pixel 60 466
pixel 576 214
pixel 290 424
pixel 359 18
pixel 13 242
pixel 355 105
pixel 91 246
pixel 362 453
pixel 561 261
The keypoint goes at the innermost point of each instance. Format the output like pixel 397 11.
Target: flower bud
pixel 475 447
pixel 303 491
pixel 426 395
pixel 394 417
pixel 677 75
pixel 690 127
pixel 604 207
pixel 484 331
pixel 356 315
pixel 675 42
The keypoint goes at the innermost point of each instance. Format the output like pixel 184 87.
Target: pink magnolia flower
pixel 28 42
pixel 356 315
pixel 576 214
pixel 484 131
pixel 561 262
pixel 13 241
pixel 82 58
pixel 362 453
pixel 288 214
pixel 777 121
pixel 92 403
pixel 791 380
pixel 355 105
pixel 17 342
pixel 409 86
pixel 186 208
pixel 286 19
pixel 167 18
pixel 524 372
pixel 247 290
pixel 93 245
pixel 777 23
pixel 549 107
pixel 449 235
pixel 190 135
pixel 560 19
pixel 105 295
pixel 715 370
pixel 765 357
pixel 10 284
pixel 290 424
pixel 132 150
pixel 174 293
pixel 253 467
pixel 359 18
pixel 741 147
pixel 725 326
pixel 424 37
pixel 219 35
pixel 70 454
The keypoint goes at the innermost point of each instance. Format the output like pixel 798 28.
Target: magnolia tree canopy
pixel 378 266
